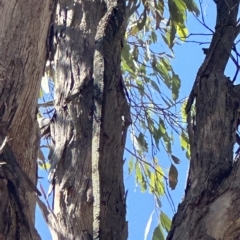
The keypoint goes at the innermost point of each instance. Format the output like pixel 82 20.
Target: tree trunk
pixel 23 31
pixel 89 127
pixel 211 209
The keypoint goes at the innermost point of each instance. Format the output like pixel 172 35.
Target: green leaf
pixel 170 35
pixel 159 185
pixel 139 176
pixel 150 122
pixel 185 143
pixel 164 74
pixel 159 172
pixel 143 185
pixel 180 5
pixel 177 20
pixel 184 140
pixel 175 159
pixel 127 68
pixel 162 127
pixel 156 183
pixel 130 166
pixel 173 177
pixel 142 142
pixel 142 124
pixel 165 221
pixel 164 134
pixel 134 29
pixel 167 141
pixel 159 6
pixel 192 7
pixel 182 31
pixel 44 166
pixel 147 170
pixel 156 135
pixel 127 61
pixel 154 37
pixel 159 188
pixel 183 111
pixel 166 64
pixel 158 233
pixel 175 86
pixel 177 10
pixel 152 183
pixel 140 87
pixel 167 39
pixel 155 86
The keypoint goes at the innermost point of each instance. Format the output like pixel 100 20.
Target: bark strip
pixel 88 123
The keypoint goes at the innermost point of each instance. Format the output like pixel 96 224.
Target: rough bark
pixel 210 209
pixel 23 31
pixel 72 126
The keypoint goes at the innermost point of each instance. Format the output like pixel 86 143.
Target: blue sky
pixel 188 58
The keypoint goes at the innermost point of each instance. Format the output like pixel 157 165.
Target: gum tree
pixel 23 32
pixel 210 209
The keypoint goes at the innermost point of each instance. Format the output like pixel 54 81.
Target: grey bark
pixel 72 129
pixel 210 209
pixel 23 32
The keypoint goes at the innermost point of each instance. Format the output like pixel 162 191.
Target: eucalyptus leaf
pixel 158 233
pixel 173 177
pixel 175 159
pixel 165 221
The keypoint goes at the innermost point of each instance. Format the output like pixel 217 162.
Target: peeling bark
pixel 210 209
pixel 72 126
pixel 23 32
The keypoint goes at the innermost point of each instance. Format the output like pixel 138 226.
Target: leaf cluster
pixel 153 93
